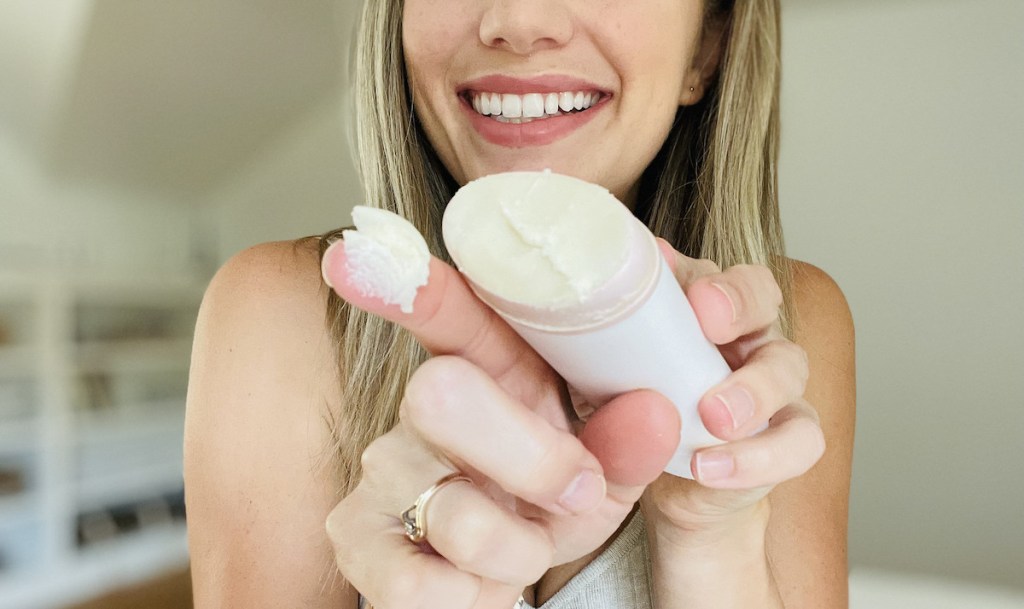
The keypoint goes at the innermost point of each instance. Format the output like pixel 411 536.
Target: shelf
pixel 141 355
pixel 21 546
pixel 18 509
pixel 129 484
pixel 126 458
pixel 93 376
pixel 19 436
pixel 99 569
pixel 159 419
pixel 17 361
pixel 18 322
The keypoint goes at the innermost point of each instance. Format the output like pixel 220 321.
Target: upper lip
pixel 551 83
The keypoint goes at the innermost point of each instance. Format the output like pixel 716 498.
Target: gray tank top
pixel 619 577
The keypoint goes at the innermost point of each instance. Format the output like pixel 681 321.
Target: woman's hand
pixel 496 411
pixel 489 407
pixel 739 311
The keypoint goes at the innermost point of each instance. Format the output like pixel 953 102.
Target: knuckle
pixel 683 268
pixel 805 425
pixel 803 363
pixel 405 587
pixel 812 412
pixel 342 529
pixel 375 457
pixel 758 288
pixel 464 593
pixel 476 538
pixel 811 437
pixel 795 358
pixel 819 445
pixel 414 588
pixel 706 267
pixel 428 390
pixel 550 465
pixel 547 550
pixel 780 364
pixel 481 544
pixel 800 446
pixel 808 425
pixel 766 278
pixel 336 521
pixel 777 297
pixel 754 459
pixel 792 350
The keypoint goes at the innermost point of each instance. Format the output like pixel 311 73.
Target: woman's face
pixel 631 61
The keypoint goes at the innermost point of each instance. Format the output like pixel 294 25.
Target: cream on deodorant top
pixel 550 251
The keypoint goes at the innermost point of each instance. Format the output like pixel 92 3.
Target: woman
pixel 675 110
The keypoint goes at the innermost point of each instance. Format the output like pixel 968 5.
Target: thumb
pixel 633 436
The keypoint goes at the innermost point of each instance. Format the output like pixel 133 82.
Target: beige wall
pixel 50 225
pixel 303 183
pixel 903 176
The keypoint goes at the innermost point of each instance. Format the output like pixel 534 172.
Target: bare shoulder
pixel 277 272
pixel 263 380
pixel 824 328
pixel 808 531
pixel 262 323
pixel 821 305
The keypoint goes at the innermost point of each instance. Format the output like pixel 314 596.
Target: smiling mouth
pixel 519 109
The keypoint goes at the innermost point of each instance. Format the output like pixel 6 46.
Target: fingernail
pixel 714 466
pixel 584 493
pixel 728 296
pixel 325 264
pixel 738 403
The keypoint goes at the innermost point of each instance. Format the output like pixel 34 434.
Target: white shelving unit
pixel 93 373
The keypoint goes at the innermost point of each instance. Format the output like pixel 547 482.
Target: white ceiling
pixel 165 95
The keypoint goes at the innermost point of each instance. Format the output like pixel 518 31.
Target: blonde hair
pixel 711 192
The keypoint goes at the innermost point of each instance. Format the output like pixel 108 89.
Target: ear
pixel 706 61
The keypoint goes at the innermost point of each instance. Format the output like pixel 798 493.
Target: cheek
pixel 654 45
pixel 434 33
pixel 650 48
pixel 421 44
pixel 427 53
pixel 439 37
pixel 653 67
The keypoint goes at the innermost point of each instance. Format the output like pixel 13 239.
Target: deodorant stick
pixel 584 283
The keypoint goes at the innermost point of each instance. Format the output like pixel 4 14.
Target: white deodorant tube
pixel 584 283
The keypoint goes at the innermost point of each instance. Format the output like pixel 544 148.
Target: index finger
pixel 447 318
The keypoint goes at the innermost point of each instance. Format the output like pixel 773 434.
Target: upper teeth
pixel 532 105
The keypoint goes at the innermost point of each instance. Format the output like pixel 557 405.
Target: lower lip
pixel 538 132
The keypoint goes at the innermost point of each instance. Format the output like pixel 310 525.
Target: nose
pixel 526 26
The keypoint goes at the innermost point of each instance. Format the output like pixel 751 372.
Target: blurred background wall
pixel 156 139
pixel 903 176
